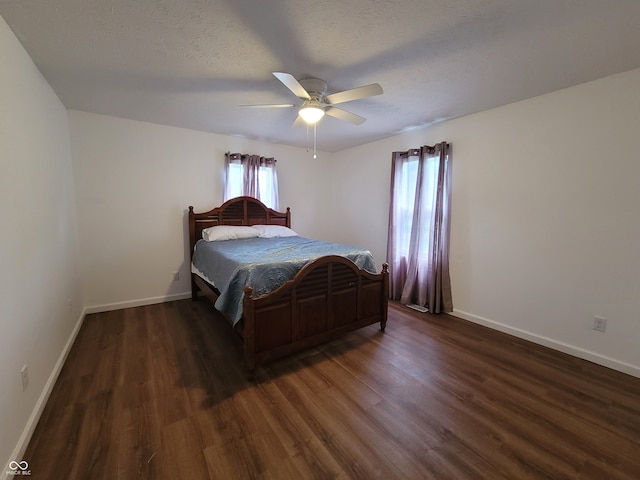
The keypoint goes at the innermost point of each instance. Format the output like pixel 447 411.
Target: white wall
pixel 134 182
pixel 38 242
pixel 545 223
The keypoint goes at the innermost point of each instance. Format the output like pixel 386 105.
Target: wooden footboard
pixel 327 298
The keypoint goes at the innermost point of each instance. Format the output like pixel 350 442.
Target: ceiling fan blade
pixel 292 84
pixel 277 105
pixel 344 115
pixel 354 94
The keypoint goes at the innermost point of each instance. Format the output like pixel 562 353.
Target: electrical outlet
pixel 24 374
pixel 176 276
pixel 70 305
pixel 599 324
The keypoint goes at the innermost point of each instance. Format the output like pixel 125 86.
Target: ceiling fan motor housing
pixel 315 87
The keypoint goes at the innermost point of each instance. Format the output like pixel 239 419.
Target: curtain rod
pixel 229 154
pixel 416 150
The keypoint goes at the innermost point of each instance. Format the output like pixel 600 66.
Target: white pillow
pixel 228 232
pixel 269 231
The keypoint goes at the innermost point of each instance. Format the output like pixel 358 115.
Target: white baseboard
pixel 551 343
pixel 29 428
pixel 137 303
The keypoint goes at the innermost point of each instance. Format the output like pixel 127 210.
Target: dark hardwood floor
pixel 159 392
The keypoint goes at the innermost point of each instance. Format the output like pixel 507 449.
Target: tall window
pixel 418 241
pixel 253 176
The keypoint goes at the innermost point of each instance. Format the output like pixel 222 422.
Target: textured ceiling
pixel 190 63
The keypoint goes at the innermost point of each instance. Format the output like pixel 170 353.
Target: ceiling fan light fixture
pixel 311 112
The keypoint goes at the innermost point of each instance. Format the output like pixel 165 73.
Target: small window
pixel 253 176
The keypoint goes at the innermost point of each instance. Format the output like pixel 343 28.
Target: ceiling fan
pixel 315 101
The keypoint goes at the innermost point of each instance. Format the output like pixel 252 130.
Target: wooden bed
pixel 327 298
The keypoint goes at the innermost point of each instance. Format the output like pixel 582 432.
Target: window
pixel 233 180
pixel 404 200
pixel 253 176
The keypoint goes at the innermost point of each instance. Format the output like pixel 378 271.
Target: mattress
pixel 262 263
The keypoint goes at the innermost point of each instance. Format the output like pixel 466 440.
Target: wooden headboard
pixel 237 211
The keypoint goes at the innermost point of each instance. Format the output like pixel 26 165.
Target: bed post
pixel 192 244
pixel 385 296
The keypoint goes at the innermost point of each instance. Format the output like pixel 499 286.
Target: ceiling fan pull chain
pixel 314 141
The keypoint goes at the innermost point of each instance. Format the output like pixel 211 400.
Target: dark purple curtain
pixel 419 226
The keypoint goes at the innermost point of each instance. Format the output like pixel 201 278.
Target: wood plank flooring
pixel 159 392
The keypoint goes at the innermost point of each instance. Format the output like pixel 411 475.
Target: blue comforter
pixel 264 264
